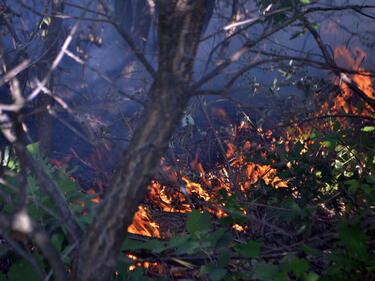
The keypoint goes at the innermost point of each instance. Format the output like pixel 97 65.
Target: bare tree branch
pixel 22 222
pixel 18 249
pixel 128 39
pixel 331 62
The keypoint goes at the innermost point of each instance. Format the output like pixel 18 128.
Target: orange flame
pixel 143 225
pixel 346 99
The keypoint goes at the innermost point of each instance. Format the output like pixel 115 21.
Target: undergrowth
pixel 319 225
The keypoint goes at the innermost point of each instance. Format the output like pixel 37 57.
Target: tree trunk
pixel 180 26
pixel 49 52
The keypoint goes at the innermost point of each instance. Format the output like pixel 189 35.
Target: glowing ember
pixel 96 199
pixel 238 227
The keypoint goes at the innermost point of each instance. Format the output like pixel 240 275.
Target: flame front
pixel 143 225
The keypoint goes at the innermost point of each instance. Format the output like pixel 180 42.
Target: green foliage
pixel 333 168
pixel 41 210
pixel 250 249
pixel 19 271
pixel 264 271
pixel 198 222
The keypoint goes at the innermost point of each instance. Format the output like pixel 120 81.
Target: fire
pixel 154 266
pixel 200 185
pixel 346 100
pixel 133 257
pixel 220 115
pixel 330 26
pixel 196 188
pixel 60 163
pixel 143 225
pixel 96 199
pixel 172 197
pixel 238 227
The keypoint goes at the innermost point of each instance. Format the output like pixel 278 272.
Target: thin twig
pixel 331 62
pixel 18 249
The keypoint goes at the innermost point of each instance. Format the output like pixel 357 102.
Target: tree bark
pixel 49 52
pixel 180 25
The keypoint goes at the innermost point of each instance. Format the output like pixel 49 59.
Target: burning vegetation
pixel 277 202
pixel 281 191
pixel 274 206
pixel 264 190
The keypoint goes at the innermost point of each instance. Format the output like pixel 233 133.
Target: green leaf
pixel 226 220
pixel 265 271
pixel 366 188
pixel 297 34
pixel 57 241
pixel 130 244
pixel 67 185
pixel 353 185
pixel 33 148
pixel 20 270
pixel 310 251
pixel 224 257
pixel 250 250
pixel 305 1
pixel 213 271
pixel 224 240
pixel 218 274
pixel 184 263
pixel 312 276
pixel 155 246
pixel 327 144
pixel 178 241
pixel 214 237
pixel 189 247
pixel 86 219
pixel 299 266
pixel 353 238
pixel 198 222
pixel 368 129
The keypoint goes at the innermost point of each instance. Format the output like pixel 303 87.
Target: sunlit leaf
pixel 368 129
pixel 184 263
pixel 312 276
pixel 33 148
pixel 297 34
